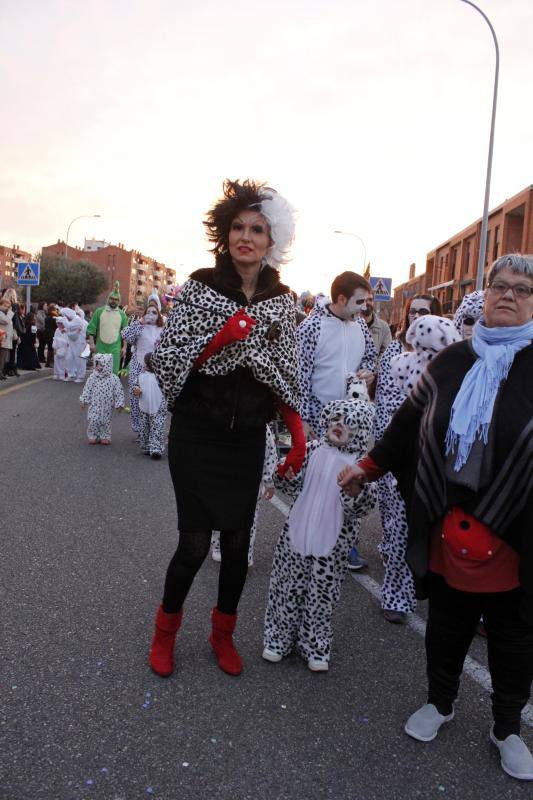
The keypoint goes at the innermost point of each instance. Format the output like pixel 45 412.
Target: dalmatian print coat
pixel 200 312
pixel 304 591
pixel 308 335
pixel 102 393
pixel 397 590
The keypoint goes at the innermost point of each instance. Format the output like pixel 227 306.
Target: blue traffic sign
pixel 382 288
pixel 28 273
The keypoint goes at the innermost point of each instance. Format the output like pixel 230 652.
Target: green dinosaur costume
pixel 105 325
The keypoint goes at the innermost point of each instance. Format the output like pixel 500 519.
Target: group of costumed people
pixel 451 471
pixel 452 465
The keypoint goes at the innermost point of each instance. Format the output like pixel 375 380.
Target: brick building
pixel 8 264
pixel 138 274
pixel 451 267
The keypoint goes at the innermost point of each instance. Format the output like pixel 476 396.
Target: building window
pixel 496 243
pixel 487 248
pixel 467 257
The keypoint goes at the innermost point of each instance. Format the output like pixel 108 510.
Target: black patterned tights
pixel 192 550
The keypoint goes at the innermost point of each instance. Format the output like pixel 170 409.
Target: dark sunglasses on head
pixel 469 321
pixel 420 311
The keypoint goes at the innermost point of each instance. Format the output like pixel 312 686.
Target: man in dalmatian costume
pixel 333 342
pixel 311 556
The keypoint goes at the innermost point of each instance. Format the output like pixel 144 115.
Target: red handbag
pixel 468 538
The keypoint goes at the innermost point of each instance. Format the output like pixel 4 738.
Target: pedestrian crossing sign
pixel 28 273
pixel 382 288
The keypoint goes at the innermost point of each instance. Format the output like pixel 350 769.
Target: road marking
pixel 22 385
pixel 472 667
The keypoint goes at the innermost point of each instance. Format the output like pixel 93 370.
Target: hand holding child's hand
pixel 137 391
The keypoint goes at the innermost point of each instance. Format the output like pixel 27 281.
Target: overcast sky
pixel 371 116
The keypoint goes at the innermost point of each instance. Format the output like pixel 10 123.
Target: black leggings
pixel 193 547
pixel 452 620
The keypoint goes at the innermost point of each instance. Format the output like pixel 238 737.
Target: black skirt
pixel 216 472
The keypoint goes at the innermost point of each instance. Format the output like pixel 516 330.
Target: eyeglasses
pixel 521 292
pixel 421 311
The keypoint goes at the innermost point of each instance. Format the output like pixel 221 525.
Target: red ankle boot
pixel 162 650
pixel 221 640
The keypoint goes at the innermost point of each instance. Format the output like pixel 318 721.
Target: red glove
pixel 296 455
pixel 237 328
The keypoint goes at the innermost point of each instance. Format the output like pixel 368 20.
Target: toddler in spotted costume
pixel 311 556
pixel 152 411
pixel 101 394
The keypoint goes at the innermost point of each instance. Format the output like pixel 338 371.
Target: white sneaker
pixel 424 724
pixel 215 555
pixel 516 760
pixel 317 666
pixel 270 655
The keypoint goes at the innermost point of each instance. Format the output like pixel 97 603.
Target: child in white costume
pixel 152 411
pixel 60 348
pixel 311 556
pixel 102 393
pixel 266 492
pixel 75 327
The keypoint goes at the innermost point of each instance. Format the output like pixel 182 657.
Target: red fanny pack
pixel 468 538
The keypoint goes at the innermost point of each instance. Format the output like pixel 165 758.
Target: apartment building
pixel 138 274
pixel 452 266
pixel 8 264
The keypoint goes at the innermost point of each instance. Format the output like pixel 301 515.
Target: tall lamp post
pixel 82 216
pixel 485 219
pixel 349 233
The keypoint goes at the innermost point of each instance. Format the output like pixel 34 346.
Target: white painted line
pixel 472 667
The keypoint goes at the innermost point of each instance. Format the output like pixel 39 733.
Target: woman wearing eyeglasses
pixel 461 447
pixel 397 589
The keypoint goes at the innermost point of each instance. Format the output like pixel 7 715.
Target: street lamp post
pixel 349 233
pixel 82 216
pixel 485 218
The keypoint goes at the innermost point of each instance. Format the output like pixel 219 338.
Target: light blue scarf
pixel 474 403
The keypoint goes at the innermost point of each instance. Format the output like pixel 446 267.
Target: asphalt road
pixel 86 536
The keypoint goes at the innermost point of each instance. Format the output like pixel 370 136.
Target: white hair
pixel 280 216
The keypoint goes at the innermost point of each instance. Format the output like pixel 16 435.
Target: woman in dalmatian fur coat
pixel 143 334
pixel 227 365
pixel 101 394
pixel 311 556
pixel 266 492
pixel 397 590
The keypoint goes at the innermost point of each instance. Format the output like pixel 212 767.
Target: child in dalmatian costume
pixel 101 394
pixel 311 556
pixel 152 411
pixel 266 492
pixel 468 313
pixel 427 336
pixel 399 367
pixel 143 335
pixel 60 348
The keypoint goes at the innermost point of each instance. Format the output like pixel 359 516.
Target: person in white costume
pixel 60 348
pixel 143 334
pixel 152 411
pixel 75 327
pixel 311 556
pixel 333 343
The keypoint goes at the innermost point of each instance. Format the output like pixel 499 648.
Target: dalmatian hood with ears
pixel 348 425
